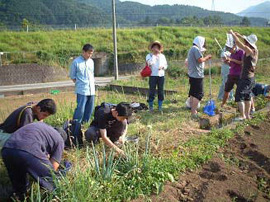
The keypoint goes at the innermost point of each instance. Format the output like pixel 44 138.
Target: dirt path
pixel 240 172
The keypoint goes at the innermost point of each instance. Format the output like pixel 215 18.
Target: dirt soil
pixel 240 172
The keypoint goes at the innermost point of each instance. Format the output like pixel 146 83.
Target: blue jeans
pixel 85 107
pixel 20 163
pixel 156 81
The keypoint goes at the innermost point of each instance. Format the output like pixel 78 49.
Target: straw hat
pixel 251 39
pixel 156 43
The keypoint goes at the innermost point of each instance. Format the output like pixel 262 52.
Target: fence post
pixel 1 53
pixel 75 27
pixel 27 28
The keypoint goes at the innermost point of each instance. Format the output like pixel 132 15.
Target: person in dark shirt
pixel 109 124
pixel 259 89
pixel 34 149
pixel 27 114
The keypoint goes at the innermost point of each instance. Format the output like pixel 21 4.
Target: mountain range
pixel 261 10
pixel 98 13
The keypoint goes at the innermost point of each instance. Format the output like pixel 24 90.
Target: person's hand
pixel 160 68
pixel 120 152
pixel 231 32
pixel 209 57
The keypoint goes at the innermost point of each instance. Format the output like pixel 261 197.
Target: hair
pixel 250 46
pixel 156 44
pixel 124 109
pixel 87 47
pixel 47 105
pixel 62 132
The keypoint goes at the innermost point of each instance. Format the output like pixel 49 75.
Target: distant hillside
pixel 60 12
pixel 262 10
pixel 98 13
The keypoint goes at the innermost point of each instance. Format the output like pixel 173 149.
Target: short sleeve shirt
pixel 195 69
pixel 38 139
pixel 10 125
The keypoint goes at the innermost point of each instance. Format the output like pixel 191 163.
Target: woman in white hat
pixel 247 79
pixel 158 64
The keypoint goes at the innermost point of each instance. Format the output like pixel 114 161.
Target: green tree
pixel 245 22
pixel 25 23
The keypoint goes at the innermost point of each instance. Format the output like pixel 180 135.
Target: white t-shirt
pixel 155 62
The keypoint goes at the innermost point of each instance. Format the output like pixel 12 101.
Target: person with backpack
pixel 27 114
pixel 35 149
pixel 196 63
pixel 158 64
pixel 109 124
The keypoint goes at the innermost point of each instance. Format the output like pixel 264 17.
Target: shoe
pixel 238 119
pixel 151 106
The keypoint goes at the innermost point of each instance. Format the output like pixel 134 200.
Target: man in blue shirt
pixel 82 74
pixel 34 149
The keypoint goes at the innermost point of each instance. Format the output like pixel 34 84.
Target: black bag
pixel 73 140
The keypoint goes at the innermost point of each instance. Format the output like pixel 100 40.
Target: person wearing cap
pixel 109 124
pixel 35 149
pixel 158 64
pixel 235 62
pixel 196 63
pixel 27 114
pixel 225 69
pixel 247 78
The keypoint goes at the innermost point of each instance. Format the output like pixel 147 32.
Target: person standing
pixel 225 69
pixel 247 78
pixel 235 61
pixel 196 73
pixel 82 74
pixel 158 64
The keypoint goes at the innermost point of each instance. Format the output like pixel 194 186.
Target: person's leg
pixel 194 105
pixel 225 98
pixel 228 88
pixel 161 81
pixel 92 134
pixel 242 110
pixel 41 171
pixel 89 107
pixel 152 91
pixel 79 111
pixel 247 109
pixel 17 173
pixel 224 75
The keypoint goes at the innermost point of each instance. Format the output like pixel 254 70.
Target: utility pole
pixel 114 41
pixel 213 8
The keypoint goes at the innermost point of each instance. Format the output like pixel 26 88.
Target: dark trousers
pixel 156 81
pixel 20 163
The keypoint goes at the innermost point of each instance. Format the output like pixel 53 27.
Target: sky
pixel 232 6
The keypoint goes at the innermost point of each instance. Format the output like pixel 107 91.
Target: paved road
pixel 35 87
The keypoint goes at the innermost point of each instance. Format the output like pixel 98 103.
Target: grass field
pixel 57 47
pixel 169 145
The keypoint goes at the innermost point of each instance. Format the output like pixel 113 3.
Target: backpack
pixel 73 140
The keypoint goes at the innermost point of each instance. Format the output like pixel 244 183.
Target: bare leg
pixel 247 109
pixel 225 98
pixel 194 105
pixel 252 103
pixel 241 106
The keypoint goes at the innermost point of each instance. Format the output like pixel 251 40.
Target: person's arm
pixel 109 143
pixel 239 62
pixel 55 164
pixel 72 71
pixel 123 137
pixel 204 59
pixel 165 64
pixel 151 59
pixel 240 44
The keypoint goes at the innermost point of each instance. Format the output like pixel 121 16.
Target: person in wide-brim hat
pixel 251 40
pixel 156 43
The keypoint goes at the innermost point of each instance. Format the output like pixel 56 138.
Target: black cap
pixel 124 109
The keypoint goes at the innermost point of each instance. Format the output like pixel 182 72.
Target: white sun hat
pixel 251 39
